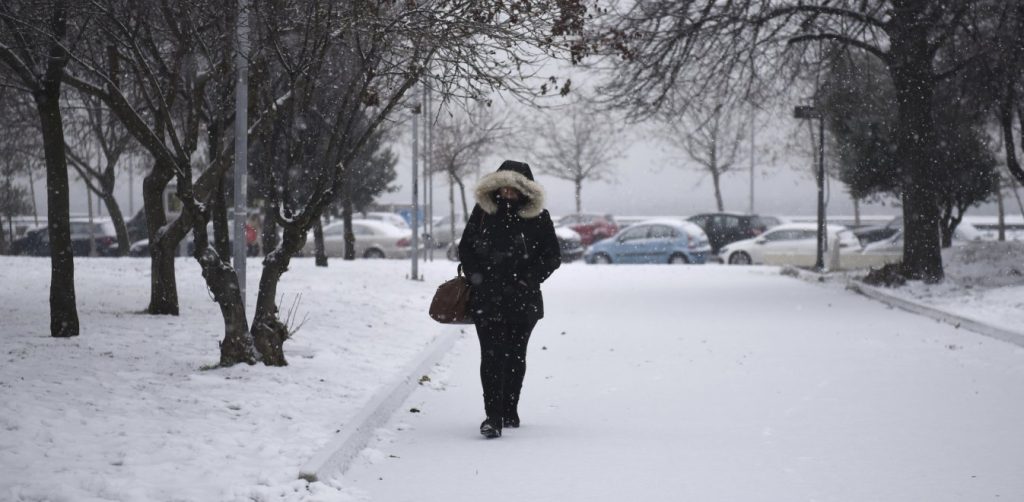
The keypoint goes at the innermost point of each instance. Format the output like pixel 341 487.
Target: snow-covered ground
pixel 645 382
pixel 984 282
pixel 717 384
pixel 126 411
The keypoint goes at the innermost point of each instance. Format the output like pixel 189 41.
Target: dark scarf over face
pixel 508 209
pixel 505 234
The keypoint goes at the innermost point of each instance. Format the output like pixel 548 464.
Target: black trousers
pixel 503 363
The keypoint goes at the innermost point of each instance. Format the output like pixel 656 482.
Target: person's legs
pixel 492 367
pixel 515 369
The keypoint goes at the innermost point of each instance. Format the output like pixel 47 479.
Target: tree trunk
pixel 63 310
pixel 123 242
pixel 451 207
pixel 913 79
pixel 579 196
pixel 716 178
pixel 269 333
pixel 349 237
pixel 947 225
pixel 238 345
pixel 465 208
pixel 219 214
pixel 318 243
pixel 1006 124
pixel 269 237
pixel 163 288
pixel 348 251
pixel 856 212
pixel 1016 196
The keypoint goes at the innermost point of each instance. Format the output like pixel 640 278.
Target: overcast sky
pixel 653 180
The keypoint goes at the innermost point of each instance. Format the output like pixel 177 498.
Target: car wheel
pixel 373 254
pixel 739 258
pixel 678 259
pixel 602 259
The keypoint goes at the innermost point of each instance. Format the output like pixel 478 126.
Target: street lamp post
pixel 415 193
pixel 808 113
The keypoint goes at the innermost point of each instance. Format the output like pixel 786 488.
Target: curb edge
pixel 1001 334
pixel 336 456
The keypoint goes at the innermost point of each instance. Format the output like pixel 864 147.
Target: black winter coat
pixel 506 258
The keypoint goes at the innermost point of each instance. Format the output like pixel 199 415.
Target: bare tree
pixel 95 146
pixel 375 55
pixel 461 139
pixel 673 53
pixel 19 147
pixel 1000 76
pixel 34 39
pixel 710 134
pixel 320 68
pixel 150 63
pixel 14 161
pixel 579 147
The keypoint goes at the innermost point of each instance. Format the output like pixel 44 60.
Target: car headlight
pixel 723 250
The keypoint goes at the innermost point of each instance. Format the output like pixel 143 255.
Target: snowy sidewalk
pixel 715 383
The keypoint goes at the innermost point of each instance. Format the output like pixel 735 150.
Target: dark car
pixel 34 243
pixel 591 227
pixel 723 228
pixel 37 242
pixel 875 233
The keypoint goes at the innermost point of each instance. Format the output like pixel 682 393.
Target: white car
pixel 790 243
pixel 442 235
pixel 374 239
pixel 392 218
pixel 965 232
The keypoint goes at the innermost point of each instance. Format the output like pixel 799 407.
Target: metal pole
pixel 423 153
pixel 241 142
pixel 415 195
pixel 429 125
pixel 753 113
pixel 819 263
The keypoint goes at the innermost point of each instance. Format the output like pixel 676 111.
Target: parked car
pixel 965 232
pixel 653 241
pixel 875 233
pixel 723 228
pixel 392 218
pixel 36 242
pixel 569 243
pixel 787 240
pixel 442 235
pixel 374 239
pixel 591 227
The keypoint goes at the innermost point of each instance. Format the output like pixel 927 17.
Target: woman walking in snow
pixel 507 250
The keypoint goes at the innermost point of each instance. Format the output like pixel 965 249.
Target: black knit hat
pixel 519 167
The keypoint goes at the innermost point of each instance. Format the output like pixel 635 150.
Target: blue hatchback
pixel 653 241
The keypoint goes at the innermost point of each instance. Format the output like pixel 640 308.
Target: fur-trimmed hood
pixel 516 175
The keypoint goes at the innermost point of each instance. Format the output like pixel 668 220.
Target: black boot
pixel 491 428
pixel 511 419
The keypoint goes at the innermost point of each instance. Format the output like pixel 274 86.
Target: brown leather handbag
pixel 451 301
